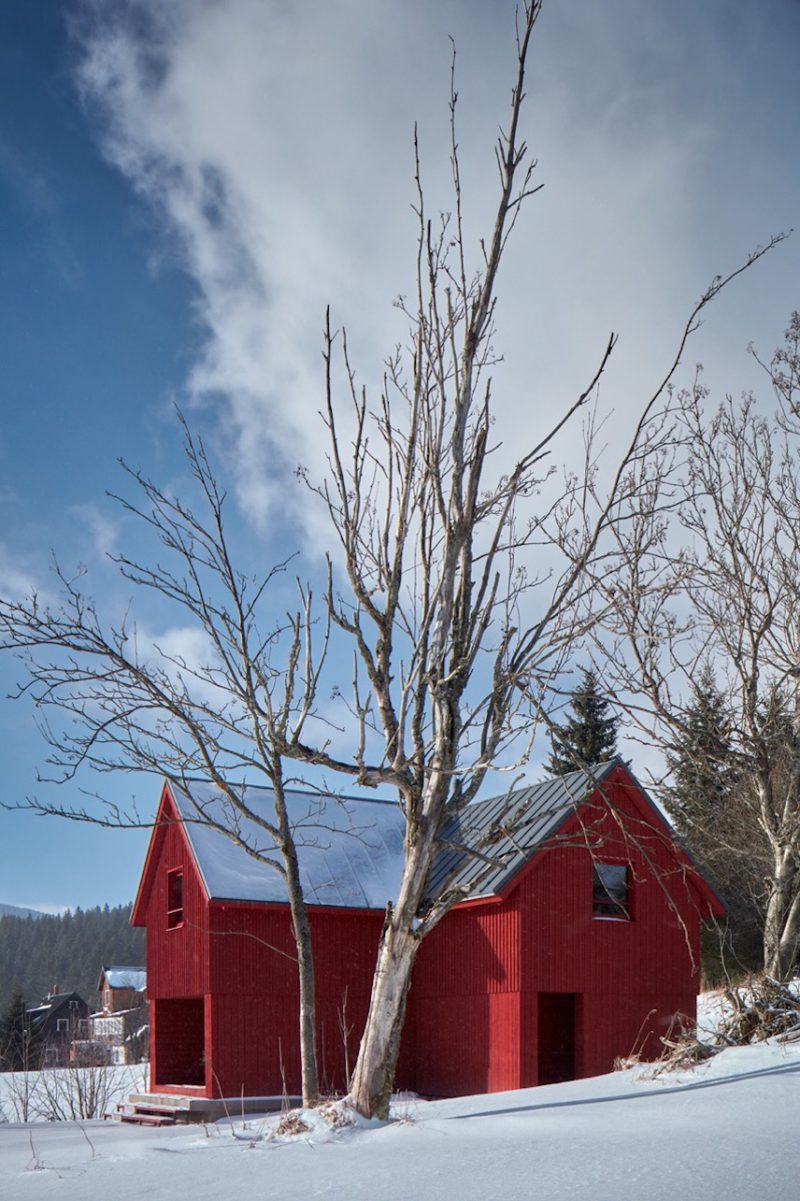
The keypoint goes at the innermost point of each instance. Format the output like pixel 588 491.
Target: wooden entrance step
pixel 167 1109
pixel 147 1115
pixel 146 1119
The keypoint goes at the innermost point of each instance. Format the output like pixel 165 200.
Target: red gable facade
pixel 583 949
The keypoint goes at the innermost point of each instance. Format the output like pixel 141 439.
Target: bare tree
pixel 222 719
pixel 715 587
pixel 456 638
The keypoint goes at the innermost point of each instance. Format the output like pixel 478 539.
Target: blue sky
pixel 184 187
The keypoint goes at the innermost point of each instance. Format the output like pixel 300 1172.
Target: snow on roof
pixel 126 977
pixel 351 849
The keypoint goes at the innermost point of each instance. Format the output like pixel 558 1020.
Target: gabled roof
pixel 41 1015
pixel 351 849
pixel 492 839
pixel 124 977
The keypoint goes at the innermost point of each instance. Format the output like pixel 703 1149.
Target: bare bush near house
pixel 760 1008
pixel 74 1093
pixel 21 1094
pixel 705 578
pixel 69 1094
pixel 20 1087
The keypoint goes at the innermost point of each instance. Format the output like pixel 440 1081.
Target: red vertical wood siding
pixel 178 959
pixel 621 970
pixel 464 1003
pixel 474 998
pixel 255 995
pixel 472 1017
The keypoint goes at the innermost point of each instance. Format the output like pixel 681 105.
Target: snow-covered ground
pixel 727 1129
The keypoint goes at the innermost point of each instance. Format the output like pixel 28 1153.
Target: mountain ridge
pixel 19 911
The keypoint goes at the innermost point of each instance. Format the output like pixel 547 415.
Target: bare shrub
pixel 70 1094
pixel 759 1009
pixel 762 1008
pixel 338 1114
pixel 74 1093
pixel 291 1124
pixel 21 1093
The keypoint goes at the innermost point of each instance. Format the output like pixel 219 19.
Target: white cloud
pixel 102 531
pixel 182 652
pixel 274 142
pixel 19 581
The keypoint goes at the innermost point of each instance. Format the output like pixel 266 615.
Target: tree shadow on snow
pixel 693 1086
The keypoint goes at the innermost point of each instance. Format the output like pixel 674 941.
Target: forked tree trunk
pixel 400 941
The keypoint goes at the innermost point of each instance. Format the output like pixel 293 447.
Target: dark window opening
pixel 174 899
pixel 610 890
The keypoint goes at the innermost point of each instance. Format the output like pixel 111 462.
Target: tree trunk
pixel 401 938
pixel 374 1073
pixel 782 923
pixel 308 1025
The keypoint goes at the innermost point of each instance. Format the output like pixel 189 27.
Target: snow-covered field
pixel 728 1129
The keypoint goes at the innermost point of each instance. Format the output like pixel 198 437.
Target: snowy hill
pixel 727 1129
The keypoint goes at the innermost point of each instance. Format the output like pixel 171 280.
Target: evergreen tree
pixel 588 737
pixel 15 1048
pixel 703 764
pixel 710 806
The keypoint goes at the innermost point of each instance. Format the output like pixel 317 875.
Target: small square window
pixel 610 891
pixel 174 899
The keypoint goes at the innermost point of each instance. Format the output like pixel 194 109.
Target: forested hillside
pixel 67 951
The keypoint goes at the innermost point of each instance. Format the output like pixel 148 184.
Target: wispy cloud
pixel 102 531
pixel 274 142
pixel 18 576
pixel 184 654
pixel 28 179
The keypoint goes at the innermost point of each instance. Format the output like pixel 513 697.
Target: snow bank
pixel 725 1129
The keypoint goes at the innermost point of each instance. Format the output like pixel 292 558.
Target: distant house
pixel 578 943
pixel 122 988
pixel 119 1031
pixel 55 1023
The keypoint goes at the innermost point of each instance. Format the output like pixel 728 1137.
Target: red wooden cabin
pixel 579 942
pixel 122 988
